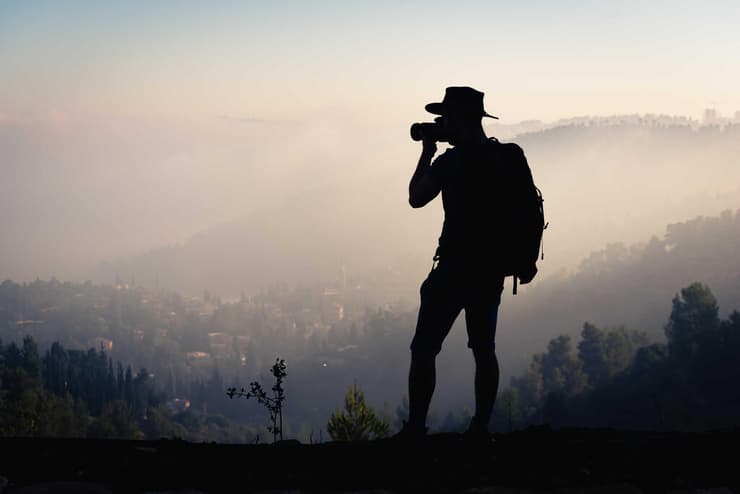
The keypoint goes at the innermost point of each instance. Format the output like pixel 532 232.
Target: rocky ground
pixel 535 460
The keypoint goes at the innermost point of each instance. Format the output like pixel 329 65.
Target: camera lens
pixel 416 132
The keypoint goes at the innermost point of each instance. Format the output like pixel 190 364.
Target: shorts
pixel 446 292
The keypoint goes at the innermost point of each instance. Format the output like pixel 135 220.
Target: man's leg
pixel 422 379
pixel 440 306
pixel 486 385
pixel 481 316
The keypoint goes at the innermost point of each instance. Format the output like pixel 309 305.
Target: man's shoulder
pixel 510 148
pixel 511 154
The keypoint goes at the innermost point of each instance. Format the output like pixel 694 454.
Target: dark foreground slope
pixel 532 460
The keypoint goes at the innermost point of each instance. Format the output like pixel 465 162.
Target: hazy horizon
pixel 125 128
pixel 69 220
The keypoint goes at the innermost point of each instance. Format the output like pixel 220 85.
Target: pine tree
pixel 357 421
pixel 694 311
pixel 592 353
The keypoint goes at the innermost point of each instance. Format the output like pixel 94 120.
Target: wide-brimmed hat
pixel 464 100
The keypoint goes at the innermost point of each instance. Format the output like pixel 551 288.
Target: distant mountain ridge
pixel 605 180
pixel 516 130
pixel 630 285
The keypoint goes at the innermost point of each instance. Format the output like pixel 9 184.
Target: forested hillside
pixel 187 349
pixel 629 285
pixel 613 378
pixel 183 353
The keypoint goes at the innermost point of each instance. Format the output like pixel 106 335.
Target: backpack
pixel 531 240
pixel 513 206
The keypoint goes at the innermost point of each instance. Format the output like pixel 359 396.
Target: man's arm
pixel 422 187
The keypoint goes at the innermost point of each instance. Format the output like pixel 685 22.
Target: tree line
pixel 76 393
pixel 616 378
pixel 612 377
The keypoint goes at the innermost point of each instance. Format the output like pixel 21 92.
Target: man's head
pixel 460 100
pixel 461 111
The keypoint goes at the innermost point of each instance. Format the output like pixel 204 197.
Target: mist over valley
pixel 324 270
pixel 605 180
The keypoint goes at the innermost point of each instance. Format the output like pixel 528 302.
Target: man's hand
pixel 429 147
pixel 421 188
pixel 526 274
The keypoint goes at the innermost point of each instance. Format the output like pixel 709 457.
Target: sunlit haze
pixel 134 126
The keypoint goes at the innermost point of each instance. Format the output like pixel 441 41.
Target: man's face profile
pixel 455 124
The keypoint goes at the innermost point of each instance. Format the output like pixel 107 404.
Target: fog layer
pixel 233 203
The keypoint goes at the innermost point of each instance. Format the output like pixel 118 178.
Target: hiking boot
pixel 410 433
pixel 477 433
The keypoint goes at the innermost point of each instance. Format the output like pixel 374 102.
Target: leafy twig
pixel 274 403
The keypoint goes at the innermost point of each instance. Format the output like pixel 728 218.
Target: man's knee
pixel 423 356
pixel 425 345
pixel 484 353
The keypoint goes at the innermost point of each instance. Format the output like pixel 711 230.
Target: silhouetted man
pixel 481 181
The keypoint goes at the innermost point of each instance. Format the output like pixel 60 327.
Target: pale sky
pixel 380 59
pixel 128 125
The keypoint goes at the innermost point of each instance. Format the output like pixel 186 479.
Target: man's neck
pixel 471 138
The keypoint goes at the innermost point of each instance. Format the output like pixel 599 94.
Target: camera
pixel 433 131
